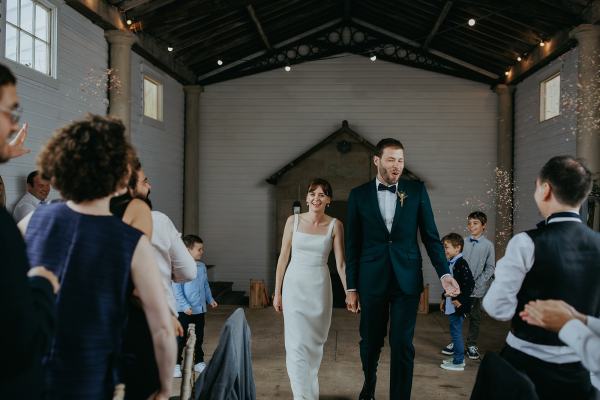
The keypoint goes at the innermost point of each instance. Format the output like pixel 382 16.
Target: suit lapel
pixel 375 203
pixel 399 207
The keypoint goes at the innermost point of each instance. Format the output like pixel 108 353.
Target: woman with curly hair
pixel 98 259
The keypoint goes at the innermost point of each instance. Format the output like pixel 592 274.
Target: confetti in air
pixel 98 83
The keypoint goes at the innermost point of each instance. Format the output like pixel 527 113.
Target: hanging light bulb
pixel 507 73
pixel 472 22
pixel 129 22
pixel 373 58
pixel 169 48
pixel 219 62
pixel 519 58
pixel 542 44
pixel 288 68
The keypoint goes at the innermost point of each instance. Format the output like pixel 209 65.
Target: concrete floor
pixel 340 376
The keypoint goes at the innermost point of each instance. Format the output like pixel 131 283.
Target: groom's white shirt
pixel 387 204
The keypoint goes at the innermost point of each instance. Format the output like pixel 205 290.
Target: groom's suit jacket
pixel 371 248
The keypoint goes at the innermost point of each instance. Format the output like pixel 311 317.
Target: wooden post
pixel 187 381
pixel 424 301
pixel 258 294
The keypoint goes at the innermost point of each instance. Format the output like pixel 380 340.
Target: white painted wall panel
pixel 252 126
pixel 160 145
pixel 536 142
pixel 51 103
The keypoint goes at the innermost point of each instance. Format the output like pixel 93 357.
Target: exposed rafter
pixel 258 25
pixel 438 23
pixel 109 17
pixel 131 4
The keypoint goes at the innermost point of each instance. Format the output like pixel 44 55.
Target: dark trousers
pixel 552 381
pixel 140 372
pixel 400 310
pixel 474 321
pixel 185 321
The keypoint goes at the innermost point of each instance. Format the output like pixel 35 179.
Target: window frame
pixel 159 101
pixel 543 96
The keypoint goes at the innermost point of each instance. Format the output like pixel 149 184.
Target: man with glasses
pixel 28 315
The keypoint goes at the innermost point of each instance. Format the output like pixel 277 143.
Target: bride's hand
pixel 277 303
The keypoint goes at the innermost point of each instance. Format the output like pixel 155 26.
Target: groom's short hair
pixel 388 142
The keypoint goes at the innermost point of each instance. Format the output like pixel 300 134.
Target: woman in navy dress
pixel 98 259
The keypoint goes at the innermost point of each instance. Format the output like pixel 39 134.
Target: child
pixel 479 254
pixel 457 307
pixel 192 298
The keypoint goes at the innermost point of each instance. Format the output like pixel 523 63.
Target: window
pixel 550 98
pixel 152 99
pixel 28 34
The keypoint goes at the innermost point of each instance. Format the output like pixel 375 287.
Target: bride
pixel 306 298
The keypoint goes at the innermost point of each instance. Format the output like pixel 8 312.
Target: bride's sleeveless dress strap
pixel 295 222
pixel 331 226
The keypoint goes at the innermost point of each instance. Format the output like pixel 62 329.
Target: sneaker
pixel 453 367
pixel 199 367
pixel 448 350
pixel 451 361
pixel 177 371
pixel 473 352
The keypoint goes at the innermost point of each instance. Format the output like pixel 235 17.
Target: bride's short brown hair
pixel 323 184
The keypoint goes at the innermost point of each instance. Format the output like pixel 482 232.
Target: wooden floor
pixel 340 376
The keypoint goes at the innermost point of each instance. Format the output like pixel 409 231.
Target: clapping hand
pixel 550 314
pixel 16 147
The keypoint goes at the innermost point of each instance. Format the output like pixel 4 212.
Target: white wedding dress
pixel 307 301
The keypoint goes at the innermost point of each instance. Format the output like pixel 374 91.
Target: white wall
pixel 536 142
pixel 252 126
pixel 160 144
pixel 50 103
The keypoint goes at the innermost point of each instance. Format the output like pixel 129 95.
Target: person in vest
pixel 558 260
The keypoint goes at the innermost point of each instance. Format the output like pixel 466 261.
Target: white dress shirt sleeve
pixel 500 302
pixel 584 340
pixel 183 265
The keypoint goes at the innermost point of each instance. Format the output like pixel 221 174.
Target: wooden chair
pixel 119 393
pixel 187 376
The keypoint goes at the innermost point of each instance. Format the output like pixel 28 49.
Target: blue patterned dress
pixel 91 255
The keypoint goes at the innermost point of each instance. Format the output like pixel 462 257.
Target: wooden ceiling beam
pixel 109 17
pixel 131 4
pixel 438 23
pixel 148 7
pixel 258 25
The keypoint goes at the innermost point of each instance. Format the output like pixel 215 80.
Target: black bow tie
pixel 474 240
pixel 382 188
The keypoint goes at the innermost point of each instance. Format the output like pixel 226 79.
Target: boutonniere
pixel 402 196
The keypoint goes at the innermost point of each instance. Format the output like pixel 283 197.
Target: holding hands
pixel 352 302
pixel 450 286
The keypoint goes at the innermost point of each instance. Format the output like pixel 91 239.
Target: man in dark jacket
pixel 28 303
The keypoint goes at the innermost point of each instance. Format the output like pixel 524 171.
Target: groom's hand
pixel 352 301
pixel 450 286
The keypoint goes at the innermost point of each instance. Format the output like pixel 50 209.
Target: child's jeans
pixel 456 323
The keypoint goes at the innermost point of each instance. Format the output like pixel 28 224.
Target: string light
pixel 472 22
pixel 519 58
pixel 373 58
pixel 288 68
pixel 542 44
pixel 170 48
pixel 219 62
pixel 507 73
pixel 129 22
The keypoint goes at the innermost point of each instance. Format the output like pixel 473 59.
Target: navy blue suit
pixel 386 269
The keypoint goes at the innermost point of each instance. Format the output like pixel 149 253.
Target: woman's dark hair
pixel 323 184
pixel 6 76
pixel 136 165
pixel 569 178
pixel 87 159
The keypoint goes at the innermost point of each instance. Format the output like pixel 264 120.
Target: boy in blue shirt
pixel 192 298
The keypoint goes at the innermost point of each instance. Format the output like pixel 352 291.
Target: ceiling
pixel 250 36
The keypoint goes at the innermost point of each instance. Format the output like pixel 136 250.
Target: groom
pixel 383 265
